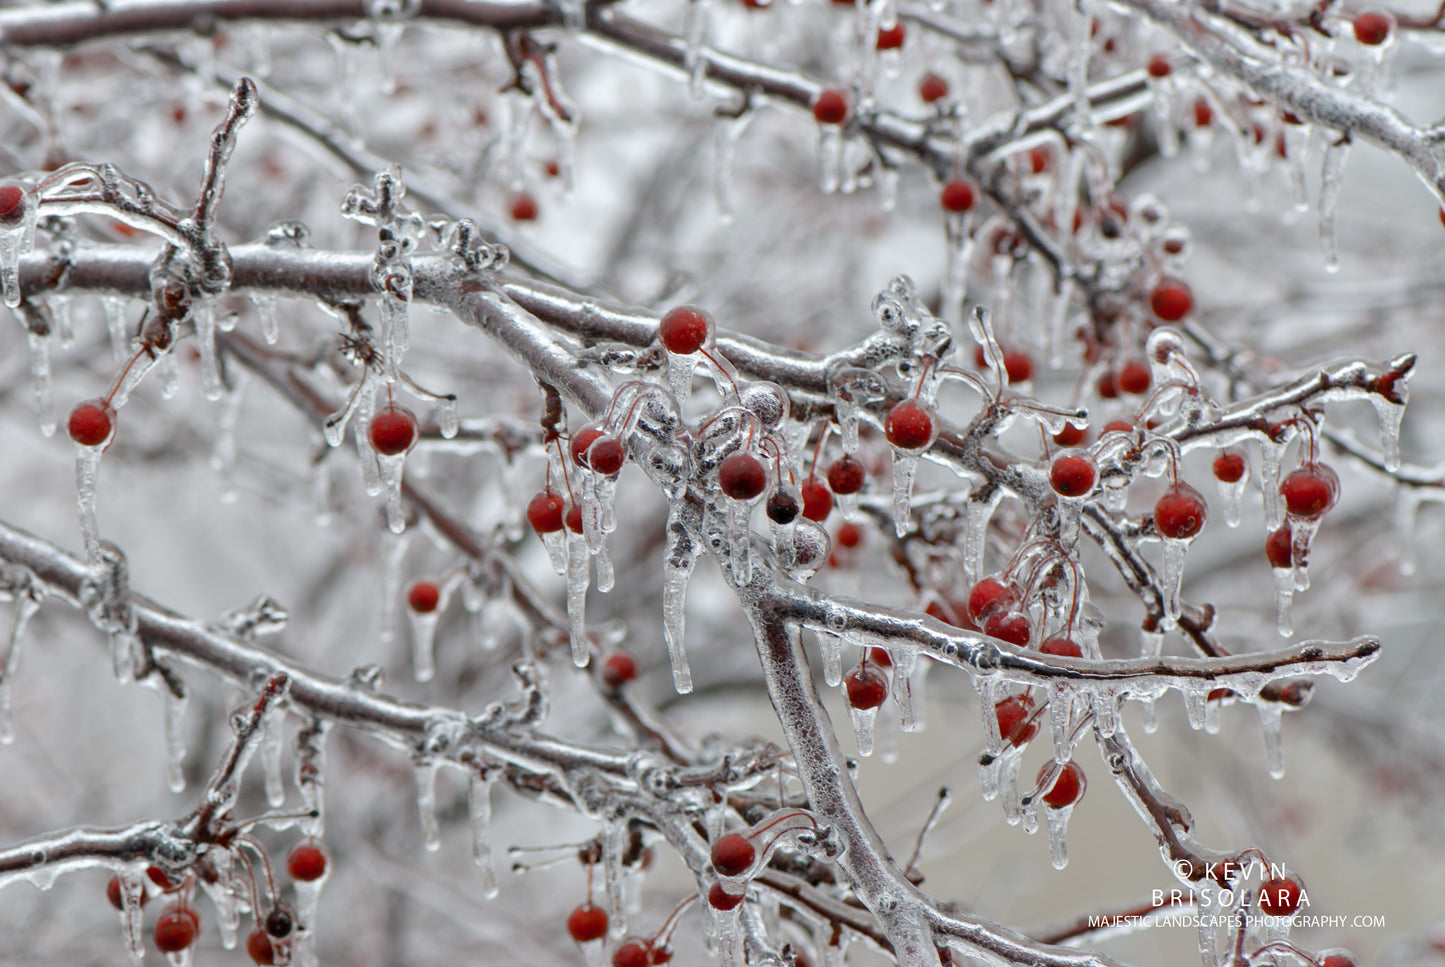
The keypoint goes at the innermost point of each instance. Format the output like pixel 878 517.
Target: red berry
pixel 1041 159
pixel 1069 436
pixel 607 456
pixel 112 893
pixel 159 878
pixel 1159 66
pixel 989 595
pixel 1068 788
pixel 1019 366
pixel 258 945
pixel 957 196
pixel 880 657
pixel 1339 958
pixel 552 168
pixel 1229 466
pixel 846 475
pixel 1203 113
pixel 306 862
pixel 12 205
pixel 1135 377
pixel 685 330
pixel 632 953
pixel 1117 426
pixel 1009 626
pixel 1180 513
pixel 817 501
pixel 523 208
pixel 732 854
pixel 573 518
pixel 1372 28
pixel 1279 547
pixel 866 686
pixel 581 441
pixel 393 430
pixel 849 535
pixel 831 107
pixel 1108 387
pixel 1442 216
pixel 177 929
pixel 742 476
pixel 544 512
pixel 587 923
pixel 423 597
pixel 1310 491
pixel 1012 713
pixel 909 426
pixel 1171 300
pixel 1073 474
pixel 92 423
pixel 1281 896
pixel 891 38
pixel 1063 647
pixel 720 899
pixel 618 669
pixel 932 88
pixel 782 508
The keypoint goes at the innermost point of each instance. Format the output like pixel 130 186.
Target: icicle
pixel 1211 715
pixel 740 539
pixel 1271 457
pixel 26 602
pixel 1166 130
pixel 1058 820
pixel 273 734
pixel 64 321
pixel 448 422
pixel 223 454
pixel 863 721
pixel 1196 705
pixel 1208 917
pixel 396 293
pixel 1061 707
pixel 170 369
pixel 1080 47
pixel 1302 532
pixel 132 920
pixel 266 310
pixel 204 316
pixel 425 773
pixel 17 238
pixel 725 935
pixel 695 30
pixel 677 570
pixel 910 705
pixel 888 177
pixel 391 465
pixel 959 248
pixel 1010 761
pixel 119 331
pixel 975 534
pixel 479 809
pixel 830 646
pixel 1390 415
pixel 577 577
pixel 1106 711
pixel 423 643
pixel 1407 506
pixel 830 157
pixel 175 726
pixel 311 778
pixel 1172 576
pixel 40 380
pixel 1270 714
pixel 1331 182
pixel 224 899
pixel 614 847
pixel 1283 601
pixel 1232 495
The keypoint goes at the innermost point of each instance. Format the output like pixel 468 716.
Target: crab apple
pixel 1372 28
pixel 1012 714
pixel 741 476
pixel 891 38
pixel 1281 896
pixel 866 686
pixel 306 862
pixel 587 922
pixel 720 899
pixel 849 535
pixel 831 107
pixel 1171 300
pixel 1009 626
pixel 606 456
pixel 280 921
pixel 1339 958
pixel 423 597
pixel 685 329
pixel 1067 789
pixel 1063 647
pixel 112 893
pixel 1310 491
pixel 632 953
pixel 1180 513
pixel 1159 66
pixel 91 423
pixel 1070 435
pixel 1073 474
pixel 1108 386
pixel 1229 466
pixel 1134 377
pixel 1279 547
pixel 732 854
pixel 1019 366
pixel 989 595
pixel 523 208
pixel 782 508
pixel 582 440
pixel 957 196
pixel 909 426
pixel 545 510
pixel 573 518
pixel 618 669
pixel 258 947
pixel 932 88
pixel 846 475
pixel 12 205
pixel 1203 113
pixel 1041 159
pixel 159 878
pixel 817 501
pixel 393 430
pixel 1117 426
pixel 176 929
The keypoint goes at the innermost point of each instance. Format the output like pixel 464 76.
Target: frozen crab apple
pixel 423 597
pixel 176 929
pixel 910 425
pixel 932 88
pixel 91 423
pixel 817 500
pixel 846 476
pixel 618 669
pixel 606 456
pixel 587 923
pixel 684 330
pixel 1310 491
pixel 741 476
pixel 831 107
pixel 12 205
pixel 866 687
pixel 956 197
pixel 306 862
pixel 582 441
pixel 988 595
pixel 1281 896
pixel 782 508
pixel 1229 466
pixel 1013 714
pixel 1372 28
pixel 393 430
pixel 891 38
pixel 1067 789
pixel 732 854
pixel 1180 514
pixel 544 512
pixel 1171 300
pixel 1073 474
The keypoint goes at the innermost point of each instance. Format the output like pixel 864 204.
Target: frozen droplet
pixel 1058 820
pixel 425 772
pixel 273 735
pixel 577 579
pixel 863 720
pixel 1196 704
pixel 811 547
pixel 479 810
pixel 40 380
pixel 1331 183
pixel 175 728
pixel 1270 714
pixel 904 467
